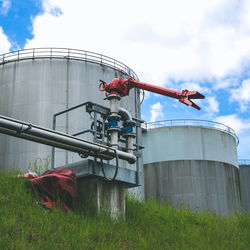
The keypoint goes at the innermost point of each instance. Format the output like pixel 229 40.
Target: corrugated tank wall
pixel 245 186
pixel 192 166
pixel 37 83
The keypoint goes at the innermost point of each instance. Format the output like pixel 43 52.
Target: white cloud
pixel 4 6
pixel 192 86
pixel 160 39
pixel 212 105
pixel 4 42
pixel 50 7
pixel 242 95
pixel 234 122
pixel 225 83
pixel 156 112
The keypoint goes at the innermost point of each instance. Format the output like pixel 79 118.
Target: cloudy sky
pixel 195 44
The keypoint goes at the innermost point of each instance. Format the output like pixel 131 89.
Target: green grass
pixel 25 225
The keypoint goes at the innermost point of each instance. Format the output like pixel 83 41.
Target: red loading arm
pixel 183 97
pixel 121 87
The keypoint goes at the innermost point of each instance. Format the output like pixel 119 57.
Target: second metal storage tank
pixel 245 184
pixel 37 83
pixel 192 163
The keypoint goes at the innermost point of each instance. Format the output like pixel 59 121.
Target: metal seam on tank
pixel 235 191
pixel 239 187
pixel 67 106
pixel 234 186
pixel 231 184
pixel 41 93
pixel 11 145
pixel 202 144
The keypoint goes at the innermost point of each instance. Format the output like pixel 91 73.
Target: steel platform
pixel 88 169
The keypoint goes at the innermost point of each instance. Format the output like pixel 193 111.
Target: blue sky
pixel 196 44
pixel 16 20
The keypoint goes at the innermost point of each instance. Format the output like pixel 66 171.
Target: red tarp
pixel 55 187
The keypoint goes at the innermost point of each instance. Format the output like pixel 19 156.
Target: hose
pixel 116 168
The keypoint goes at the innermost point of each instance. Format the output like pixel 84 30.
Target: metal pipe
pixel 113 104
pixel 124 114
pixel 114 139
pixel 56 137
pixel 137 157
pixel 51 143
pixel 129 144
pixel 113 99
pixel 137 137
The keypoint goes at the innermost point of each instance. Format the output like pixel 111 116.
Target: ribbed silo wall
pixel 194 167
pixel 34 89
pixel 245 186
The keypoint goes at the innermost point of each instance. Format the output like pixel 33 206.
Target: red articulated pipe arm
pixel 121 88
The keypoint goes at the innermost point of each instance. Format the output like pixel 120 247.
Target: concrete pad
pixel 101 195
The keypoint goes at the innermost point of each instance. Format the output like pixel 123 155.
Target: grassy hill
pixel 25 225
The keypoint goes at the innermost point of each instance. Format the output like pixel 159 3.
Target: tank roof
pixel 66 53
pixel 193 123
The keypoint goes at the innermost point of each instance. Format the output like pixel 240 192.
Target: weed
pixel 39 166
pixel 24 225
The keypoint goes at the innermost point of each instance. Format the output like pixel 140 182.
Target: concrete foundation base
pixel 98 194
pixel 101 195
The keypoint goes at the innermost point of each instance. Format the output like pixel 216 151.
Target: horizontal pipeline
pixel 57 139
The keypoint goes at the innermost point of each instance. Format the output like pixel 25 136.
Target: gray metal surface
pixel 88 169
pixel 199 185
pixel 245 185
pixel 35 84
pixel 189 143
pixel 192 166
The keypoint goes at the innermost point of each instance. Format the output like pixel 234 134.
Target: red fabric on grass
pixel 56 187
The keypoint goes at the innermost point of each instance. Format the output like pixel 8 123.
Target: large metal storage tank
pixel 245 184
pixel 192 163
pixel 37 83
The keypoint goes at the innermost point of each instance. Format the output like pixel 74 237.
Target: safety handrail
pixel 66 53
pixel 244 162
pixel 192 122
